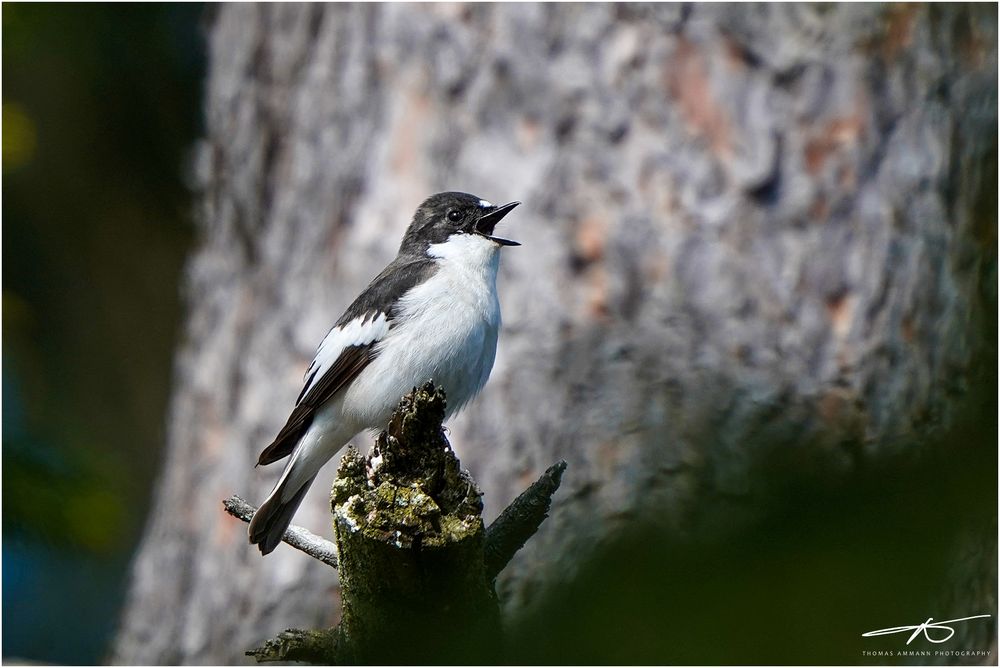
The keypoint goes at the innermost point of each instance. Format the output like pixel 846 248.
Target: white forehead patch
pixel 486 205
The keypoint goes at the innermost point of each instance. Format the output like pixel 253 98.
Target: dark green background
pixel 101 108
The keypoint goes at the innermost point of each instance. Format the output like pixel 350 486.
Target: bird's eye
pixel 454 215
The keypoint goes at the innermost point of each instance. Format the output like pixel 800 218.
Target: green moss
pixel 350 476
pixel 410 489
pixel 411 549
pixel 410 536
pixel 411 552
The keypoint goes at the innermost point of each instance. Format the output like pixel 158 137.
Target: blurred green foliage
pixel 100 109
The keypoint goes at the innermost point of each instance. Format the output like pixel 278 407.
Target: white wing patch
pixel 358 332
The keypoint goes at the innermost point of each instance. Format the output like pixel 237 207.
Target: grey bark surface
pixel 774 221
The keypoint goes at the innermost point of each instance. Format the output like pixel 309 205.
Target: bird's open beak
pixel 486 223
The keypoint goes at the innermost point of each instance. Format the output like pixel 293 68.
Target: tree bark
pixel 416 564
pixel 410 535
pixel 744 228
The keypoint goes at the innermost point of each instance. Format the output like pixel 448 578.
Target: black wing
pixel 348 348
pixel 350 363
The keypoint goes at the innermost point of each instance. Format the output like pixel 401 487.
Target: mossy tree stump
pixel 416 563
pixel 409 529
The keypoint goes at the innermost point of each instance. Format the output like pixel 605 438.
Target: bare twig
pixel 299 538
pixel 520 520
pixel 314 646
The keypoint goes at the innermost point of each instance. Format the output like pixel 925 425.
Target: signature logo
pixel 929 629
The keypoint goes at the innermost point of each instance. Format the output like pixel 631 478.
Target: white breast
pixel 445 330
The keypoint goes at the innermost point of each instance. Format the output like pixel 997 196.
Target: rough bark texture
pixel 416 565
pixel 520 520
pixel 742 225
pixel 410 535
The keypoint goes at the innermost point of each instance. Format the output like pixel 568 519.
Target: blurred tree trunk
pixel 742 225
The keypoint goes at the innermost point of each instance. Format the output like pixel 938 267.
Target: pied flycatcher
pixel 432 313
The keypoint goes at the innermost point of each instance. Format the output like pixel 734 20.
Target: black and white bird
pixel 433 313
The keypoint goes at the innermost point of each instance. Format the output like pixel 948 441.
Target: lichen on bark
pixel 409 531
pixel 416 564
pixel 411 486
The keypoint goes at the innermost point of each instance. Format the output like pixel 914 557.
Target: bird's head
pixel 446 214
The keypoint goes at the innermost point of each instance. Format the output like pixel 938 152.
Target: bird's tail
pixel 274 515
